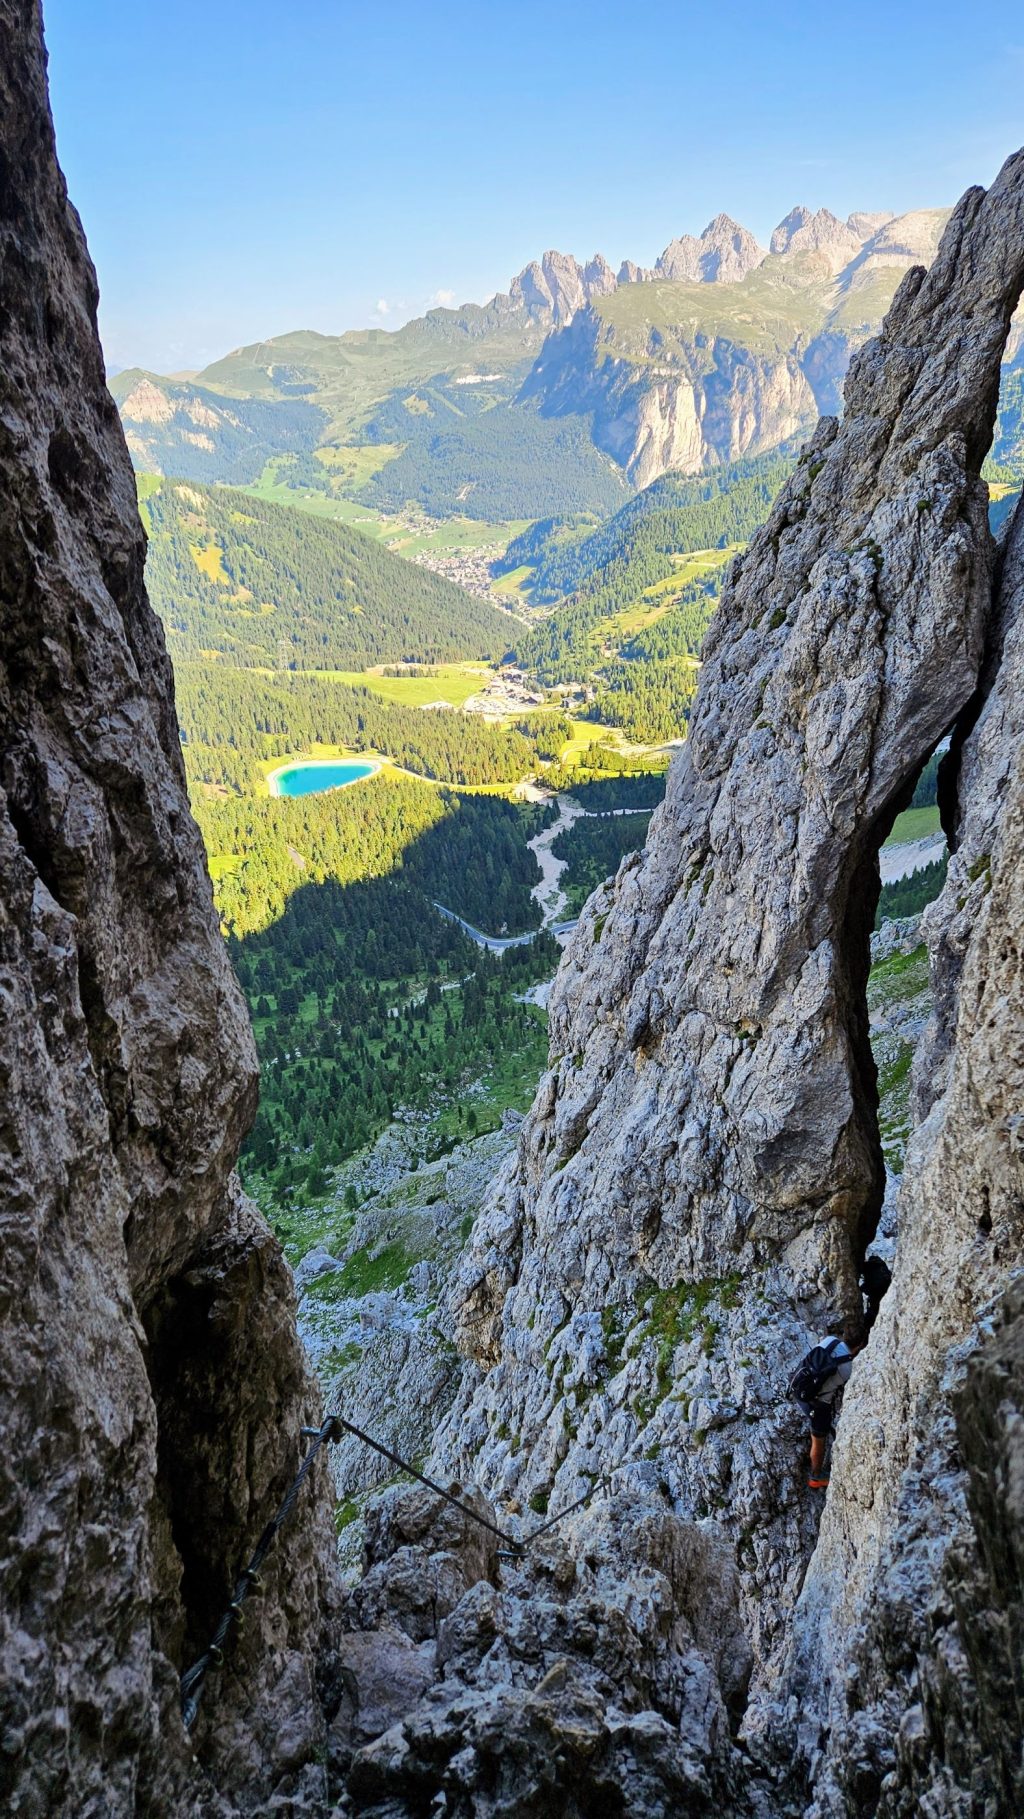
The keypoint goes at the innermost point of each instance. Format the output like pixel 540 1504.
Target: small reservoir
pixel 312 775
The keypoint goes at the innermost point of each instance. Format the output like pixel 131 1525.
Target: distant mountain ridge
pixel 550 291
pixel 721 351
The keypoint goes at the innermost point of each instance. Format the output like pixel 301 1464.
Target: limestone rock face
pixel 700 1173
pixel 919 1554
pixel 686 386
pixel 151 1384
pixel 723 253
pixel 596 1675
pixel 658 406
pixel 557 286
pixel 631 273
pixel 822 232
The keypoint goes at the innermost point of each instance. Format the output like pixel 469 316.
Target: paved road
pixel 498 943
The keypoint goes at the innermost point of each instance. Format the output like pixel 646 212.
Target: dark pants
pixel 820 1414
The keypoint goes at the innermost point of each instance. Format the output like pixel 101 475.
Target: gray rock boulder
pixel 595 1674
pixel 317 1262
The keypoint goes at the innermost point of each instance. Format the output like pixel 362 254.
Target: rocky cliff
pixel 676 376
pixel 151 1384
pixel 908 1635
pixel 701 1172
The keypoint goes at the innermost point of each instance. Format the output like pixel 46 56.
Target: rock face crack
pixel 743 1145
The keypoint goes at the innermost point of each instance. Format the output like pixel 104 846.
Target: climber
pixel 875 1278
pixel 816 1383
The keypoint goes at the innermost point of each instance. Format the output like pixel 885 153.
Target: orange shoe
pixel 817 1484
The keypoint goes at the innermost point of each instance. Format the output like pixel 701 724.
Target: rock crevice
pixel 701 1172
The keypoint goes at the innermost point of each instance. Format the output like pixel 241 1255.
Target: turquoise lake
pixel 310 778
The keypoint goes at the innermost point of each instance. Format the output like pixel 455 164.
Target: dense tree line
pixel 364 1000
pixel 468 852
pixel 679 632
pixel 593 850
pixel 927 785
pixel 1008 447
pixel 634 790
pixel 275 587
pixel 671 516
pixel 476 862
pixel 649 701
pixel 503 463
pixel 906 896
pixel 234 719
pixel 566 646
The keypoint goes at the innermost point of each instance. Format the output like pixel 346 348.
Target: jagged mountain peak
pixel 558 285
pixel 821 232
pixel 723 253
pixel 631 273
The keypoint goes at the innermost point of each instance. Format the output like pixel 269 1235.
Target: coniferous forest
pixel 365 999
pixel 269 586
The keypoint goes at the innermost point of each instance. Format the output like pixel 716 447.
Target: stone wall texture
pixel 151 1384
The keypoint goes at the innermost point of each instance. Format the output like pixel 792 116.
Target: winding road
pixel 548 892
pixel 498 943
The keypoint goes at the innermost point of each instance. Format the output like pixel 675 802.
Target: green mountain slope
pixel 470 452
pixel 349 376
pixel 173 426
pixel 272 587
pixel 633 561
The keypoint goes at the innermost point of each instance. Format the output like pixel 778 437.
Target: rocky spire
pixel 723 253
pixel 557 286
pixel 701 1169
pixel 823 232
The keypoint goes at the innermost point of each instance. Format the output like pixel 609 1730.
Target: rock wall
pixel 919 1557
pixel 701 1172
pixel 656 409
pixel 151 1383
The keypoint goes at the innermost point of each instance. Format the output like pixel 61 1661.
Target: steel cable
pixel 331 1430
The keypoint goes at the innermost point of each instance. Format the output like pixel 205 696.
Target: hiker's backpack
pixel 814 1371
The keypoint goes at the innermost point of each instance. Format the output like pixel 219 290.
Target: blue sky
pixel 244 169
